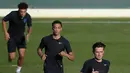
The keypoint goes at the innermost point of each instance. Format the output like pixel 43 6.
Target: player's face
pixel 99 52
pixel 22 12
pixel 57 29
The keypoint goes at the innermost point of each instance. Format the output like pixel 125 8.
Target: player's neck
pixel 98 60
pixel 56 36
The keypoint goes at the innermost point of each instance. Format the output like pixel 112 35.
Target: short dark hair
pixel 98 44
pixel 56 22
pixel 23 5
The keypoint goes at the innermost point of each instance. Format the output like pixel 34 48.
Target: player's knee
pixel 11 57
pixel 21 57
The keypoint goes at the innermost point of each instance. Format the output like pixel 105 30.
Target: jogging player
pixel 56 47
pixel 15 33
pixel 97 64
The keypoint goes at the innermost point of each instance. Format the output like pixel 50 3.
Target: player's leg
pixel 21 56
pixel 11 44
pixel 21 51
pixel 11 56
pixel 20 59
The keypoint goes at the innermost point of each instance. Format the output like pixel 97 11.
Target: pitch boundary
pixel 89 22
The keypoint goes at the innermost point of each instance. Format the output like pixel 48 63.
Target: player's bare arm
pixel 70 55
pixel 41 55
pixel 29 31
pixel 6 34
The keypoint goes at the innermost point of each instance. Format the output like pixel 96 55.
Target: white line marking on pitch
pixel 13 65
pixel 108 22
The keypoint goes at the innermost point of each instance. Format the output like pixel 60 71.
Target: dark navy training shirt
pixel 102 67
pixel 17 23
pixel 53 47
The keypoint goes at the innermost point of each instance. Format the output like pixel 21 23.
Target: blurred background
pixel 68 3
pixel 84 23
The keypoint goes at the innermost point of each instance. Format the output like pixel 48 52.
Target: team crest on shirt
pixel 25 20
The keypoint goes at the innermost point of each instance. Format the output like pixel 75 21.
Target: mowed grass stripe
pixel 81 37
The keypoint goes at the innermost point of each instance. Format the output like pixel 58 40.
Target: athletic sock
pixel 18 69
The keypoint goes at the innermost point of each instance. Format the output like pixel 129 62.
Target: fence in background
pixel 73 13
pixel 89 4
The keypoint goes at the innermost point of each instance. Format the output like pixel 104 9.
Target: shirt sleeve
pixel 29 21
pixel 42 44
pixel 84 68
pixel 7 17
pixel 108 67
pixel 67 46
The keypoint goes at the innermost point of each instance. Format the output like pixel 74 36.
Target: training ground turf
pixel 81 33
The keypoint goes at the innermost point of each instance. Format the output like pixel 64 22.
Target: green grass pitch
pixel 81 36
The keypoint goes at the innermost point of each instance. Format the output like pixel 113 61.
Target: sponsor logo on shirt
pixel 105 64
pixel 61 66
pixel 60 42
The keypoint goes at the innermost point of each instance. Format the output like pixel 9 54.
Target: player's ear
pixel 103 51
pixel 61 28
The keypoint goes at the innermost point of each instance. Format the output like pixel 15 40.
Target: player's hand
pixel 94 71
pixel 63 53
pixel 7 36
pixel 44 57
